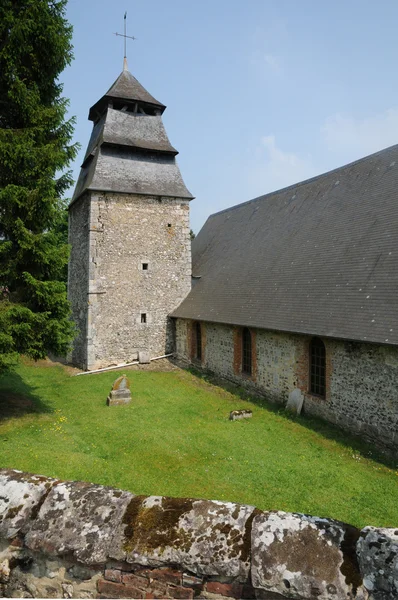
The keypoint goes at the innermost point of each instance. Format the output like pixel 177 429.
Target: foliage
pixel 192 234
pixel 35 150
pixel 175 439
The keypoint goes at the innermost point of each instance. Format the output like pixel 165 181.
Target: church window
pixel 246 352
pixel 317 367
pixel 168 224
pixel 198 341
pixel 143 317
pixel 145 266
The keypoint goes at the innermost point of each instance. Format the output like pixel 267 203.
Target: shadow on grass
pixel 17 398
pixel 329 431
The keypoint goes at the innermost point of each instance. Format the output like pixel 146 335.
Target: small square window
pixel 145 266
pixel 168 224
pixel 143 317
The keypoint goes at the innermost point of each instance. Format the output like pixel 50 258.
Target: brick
pixel 180 592
pixel 166 575
pixel 109 589
pixel 113 575
pixel 230 590
pixel 158 589
pixel 133 579
pixel 16 543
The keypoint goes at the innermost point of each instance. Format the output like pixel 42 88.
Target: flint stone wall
pixel 112 236
pixel 80 540
pixel 361 379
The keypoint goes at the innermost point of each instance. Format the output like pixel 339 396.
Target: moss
pixel 12 512
pixel 156 527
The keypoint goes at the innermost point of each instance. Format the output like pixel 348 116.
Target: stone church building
pixel 296 290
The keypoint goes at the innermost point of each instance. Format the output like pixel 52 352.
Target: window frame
pixel 317 368
pixel 247 352
pixel 198 341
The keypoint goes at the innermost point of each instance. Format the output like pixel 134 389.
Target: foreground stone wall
pixel 139 264
pixel 361 379
pixel 80 540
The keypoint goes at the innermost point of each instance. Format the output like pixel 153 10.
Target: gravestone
pixel 236 415
pixel 143 357
pixel 295 402
pixel 120 392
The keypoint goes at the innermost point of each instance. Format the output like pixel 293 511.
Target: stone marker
pixel 120 393
pixel 295 402
pixel 143 357
pixel 235 415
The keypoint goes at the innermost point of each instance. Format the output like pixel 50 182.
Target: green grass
pixel 175 439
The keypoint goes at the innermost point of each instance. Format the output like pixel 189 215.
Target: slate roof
pixel 131 172
pixel 126 87
pixel 319 257
pixel 127 129
pixel 130 153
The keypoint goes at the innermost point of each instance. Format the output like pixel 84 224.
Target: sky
pixel 260 94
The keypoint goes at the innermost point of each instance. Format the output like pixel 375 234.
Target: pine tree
pixel 35 150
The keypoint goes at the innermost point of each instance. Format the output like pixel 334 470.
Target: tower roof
pixel 128 88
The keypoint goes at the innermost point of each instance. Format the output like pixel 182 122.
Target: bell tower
pixel 130 263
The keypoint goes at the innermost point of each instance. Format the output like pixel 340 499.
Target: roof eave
pixel 109 191
pixel 97 109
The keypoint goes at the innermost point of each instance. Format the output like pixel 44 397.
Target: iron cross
pixel 125 36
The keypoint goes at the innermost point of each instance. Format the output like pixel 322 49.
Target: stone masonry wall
pixel 80 540
pixel 361 379
pixel 129 303
pixel 78 275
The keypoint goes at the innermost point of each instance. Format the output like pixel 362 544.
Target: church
pixel 292 294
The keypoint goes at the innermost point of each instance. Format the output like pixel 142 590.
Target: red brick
pixel 118 590
pixel 230 590
pixel 17 542
pixel 180 592
pixel 167 575
pixel 113 575
pixel 158 589
pixel 134 579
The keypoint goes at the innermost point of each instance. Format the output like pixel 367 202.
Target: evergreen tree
pixel 35 150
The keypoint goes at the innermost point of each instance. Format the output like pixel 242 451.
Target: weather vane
pixel 125 36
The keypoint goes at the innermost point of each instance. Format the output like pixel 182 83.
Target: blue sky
pixel 259 95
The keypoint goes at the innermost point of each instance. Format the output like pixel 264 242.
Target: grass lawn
pixel 175 439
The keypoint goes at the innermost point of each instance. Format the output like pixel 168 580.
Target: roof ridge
pixel 304 182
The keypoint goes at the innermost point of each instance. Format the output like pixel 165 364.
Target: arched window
pixel 246 351
pixel 317 367
pixel 198 341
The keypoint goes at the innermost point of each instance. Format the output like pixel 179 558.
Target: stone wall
pixel 80 540
pixel 78 276
pixel 139 271
pixel 361 379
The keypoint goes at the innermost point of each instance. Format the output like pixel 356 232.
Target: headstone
pixel 235 415
pixel 295 402
pixel 120 393
pixel 143 357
